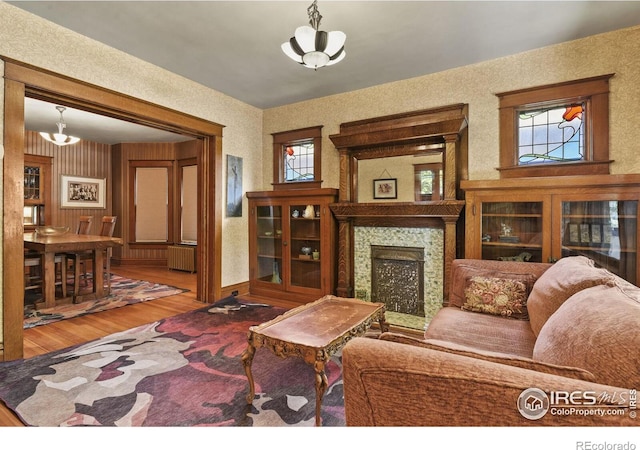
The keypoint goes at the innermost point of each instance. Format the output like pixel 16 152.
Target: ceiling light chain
pixel 314 15
pixel 60 138
pixel 314 48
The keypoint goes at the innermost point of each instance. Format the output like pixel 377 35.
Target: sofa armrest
pixel 391 384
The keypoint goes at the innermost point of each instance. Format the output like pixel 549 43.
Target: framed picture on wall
pixel 234 186
pixel 82 192
pixel 385 188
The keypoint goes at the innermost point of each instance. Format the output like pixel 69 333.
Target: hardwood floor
pixel 59 335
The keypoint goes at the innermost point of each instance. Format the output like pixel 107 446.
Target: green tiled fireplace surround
pixel 431 239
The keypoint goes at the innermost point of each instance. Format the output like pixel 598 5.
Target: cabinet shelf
pixel 597 249
pixel 506 215
pixel 511 244
pixel 597 216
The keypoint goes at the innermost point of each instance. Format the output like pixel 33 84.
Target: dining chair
pixel 84 224
pixel 108 227
pixel 84 227
pixel 33 263
pixel 34 271
pixel 81 259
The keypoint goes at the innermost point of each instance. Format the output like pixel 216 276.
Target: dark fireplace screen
pixel 397 278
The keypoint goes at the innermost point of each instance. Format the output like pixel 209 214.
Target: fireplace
pixel 397 278
pixel 428 242
pixel 430 225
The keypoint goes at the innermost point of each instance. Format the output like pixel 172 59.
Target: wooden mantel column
pixel 345 176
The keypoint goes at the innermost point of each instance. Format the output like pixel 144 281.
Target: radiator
pixel 182 257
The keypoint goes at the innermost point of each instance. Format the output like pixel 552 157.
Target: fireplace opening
pixel 397 278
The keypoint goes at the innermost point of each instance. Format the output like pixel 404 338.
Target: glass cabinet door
pixel 269 244
pixel 32 184
pixel 512 231
pixel 304 246
pixel 605 231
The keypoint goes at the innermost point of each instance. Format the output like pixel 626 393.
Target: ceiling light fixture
pixel 60 138
pixel 314 48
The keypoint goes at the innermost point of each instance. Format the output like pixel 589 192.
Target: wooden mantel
pixel 438 130
pixel 399 214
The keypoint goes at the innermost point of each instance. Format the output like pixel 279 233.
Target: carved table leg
pixel 321 387
pixel 247 359
pixel 384 325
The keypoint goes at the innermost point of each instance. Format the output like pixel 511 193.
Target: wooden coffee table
pixel 314 332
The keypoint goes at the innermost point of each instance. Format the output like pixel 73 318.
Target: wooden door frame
pixel 22 80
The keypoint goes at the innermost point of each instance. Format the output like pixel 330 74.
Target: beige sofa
pixel 518 344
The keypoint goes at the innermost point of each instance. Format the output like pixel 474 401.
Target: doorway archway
pixel 22 81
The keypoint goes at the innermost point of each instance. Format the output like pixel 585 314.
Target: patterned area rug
pixel 185 370
pixel 124 291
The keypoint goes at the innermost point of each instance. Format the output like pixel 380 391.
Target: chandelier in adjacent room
pixel 60 138
pixel 314 48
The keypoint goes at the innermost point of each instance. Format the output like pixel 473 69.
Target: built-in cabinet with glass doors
pixel 543 220
pixel 292 244
pixel 37 191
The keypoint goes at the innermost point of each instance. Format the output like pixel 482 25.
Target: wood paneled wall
pixel 84 159
pixel 111 162
pixel 122 154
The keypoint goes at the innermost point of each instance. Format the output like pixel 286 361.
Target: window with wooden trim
pixel 428 182
pixel 555 130
pixel 297 158
pixel 151 202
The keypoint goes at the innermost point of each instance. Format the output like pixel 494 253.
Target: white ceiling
pixel 234 46
pixel 43 116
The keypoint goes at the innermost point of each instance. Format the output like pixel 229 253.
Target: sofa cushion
pixel 498 296
pixel 562 280
pixel 596 330
pixel 465 271
pixel 501 358
pixel 482 331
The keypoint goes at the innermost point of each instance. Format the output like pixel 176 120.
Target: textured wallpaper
pixel 616 52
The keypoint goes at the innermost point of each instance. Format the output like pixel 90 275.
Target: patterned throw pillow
pixel 499 296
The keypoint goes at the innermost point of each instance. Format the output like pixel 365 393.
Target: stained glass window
pixel 553 134
pixel 299 161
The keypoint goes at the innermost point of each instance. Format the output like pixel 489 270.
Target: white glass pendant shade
pixel 306 38
pixel 288 50
pixel 337 59
pixel 313 60
pixel 312 47
pixel 60 138
pixel 335 42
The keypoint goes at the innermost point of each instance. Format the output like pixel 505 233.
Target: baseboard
pixel 139 262
pixel 238 289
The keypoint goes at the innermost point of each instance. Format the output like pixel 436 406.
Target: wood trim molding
pixel 594 91
pixel 46 85
pixel 22 80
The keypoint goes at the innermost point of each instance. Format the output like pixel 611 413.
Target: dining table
pixel 50 245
